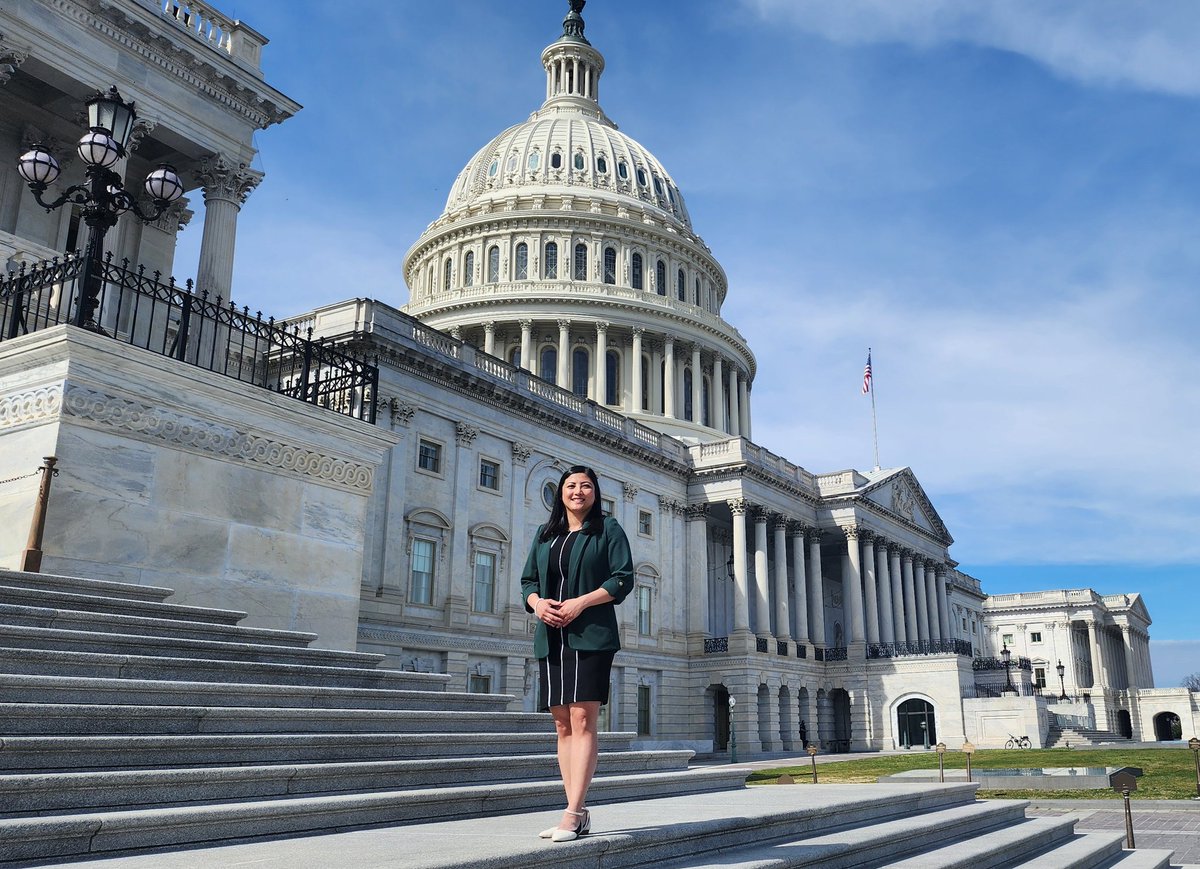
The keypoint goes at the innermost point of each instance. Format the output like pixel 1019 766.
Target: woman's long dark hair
pixel 593 523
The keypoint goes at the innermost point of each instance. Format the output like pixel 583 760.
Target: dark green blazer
pixel 597 561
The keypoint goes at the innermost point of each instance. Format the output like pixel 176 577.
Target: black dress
pixel 567 675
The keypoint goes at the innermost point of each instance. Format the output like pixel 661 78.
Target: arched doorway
pixel 720 695
pixel 1124 723
pixel 915 724
pixel 839 699
pixel 802 711
pixel 1167 727
pixel 786 726
pixel 764 719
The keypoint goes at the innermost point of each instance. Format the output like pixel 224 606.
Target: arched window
pixel 707 420
pixel 660 277
pixel 581 262
pixel 697 302
pixel 522 273
pixel 447 272
pixel 551 269
pixel 681 286
pixel 635 271
pixel 687 395
pixel 493 274
pixel 549 364
pixel 579 372
pixel 612 378
pixel 514 357
pixel 610 265
pixel 469 269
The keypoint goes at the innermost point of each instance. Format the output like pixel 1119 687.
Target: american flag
pixel 867 375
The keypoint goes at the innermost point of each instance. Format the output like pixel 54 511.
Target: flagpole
pixel 869 386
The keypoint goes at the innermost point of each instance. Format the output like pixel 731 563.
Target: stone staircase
pixel 138 733
pixel 1060 737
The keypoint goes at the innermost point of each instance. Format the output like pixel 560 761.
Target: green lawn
pixel 1167 773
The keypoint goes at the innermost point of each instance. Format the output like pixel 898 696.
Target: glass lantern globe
pixel 97 148
pixel 163 184
pixel 110 113
pixel 38 166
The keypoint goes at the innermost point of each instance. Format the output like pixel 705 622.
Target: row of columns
pixel 1136 653
pixel 725 378
pixel 890 594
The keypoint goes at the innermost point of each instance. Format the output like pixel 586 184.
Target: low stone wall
pixel 170 475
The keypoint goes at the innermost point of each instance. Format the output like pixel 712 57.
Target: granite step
pixel 82 585
pixel 92 753
pixel 120 623
pixel 34 661
pixel 996 849
pixel 1080 852
pixel 158 692
pixel 64 837
pixel 72 792
pixel 82 602
pixel 18 636
pixel 31 719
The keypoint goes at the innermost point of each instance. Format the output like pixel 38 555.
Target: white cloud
pixel 1149 46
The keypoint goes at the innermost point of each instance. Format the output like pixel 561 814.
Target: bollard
pixel 941 753
pixel 1128 820
pixel 732 732
pixel 967 749
pixel 812 753
pixel 31 558
pixel 1123 781
pixel 1194 745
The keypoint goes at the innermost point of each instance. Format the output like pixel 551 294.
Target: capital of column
pixel 564 324
pixel 895 550
pixel 851 531
pixel 638 330
pixel 223 179
pixel 907 555
pixel 760 515
pixel 696 512
pixel 601 326
pixel 465 434
pixel 813 535
pixel 630 491
pixel 521 453
pixel 525 324
pixel 780 522
pixel 796 528
pixel 490 327
pixel 738 506
pixel 866 535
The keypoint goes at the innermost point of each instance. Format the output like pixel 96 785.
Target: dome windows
pixel 551 261
pixel 581 258
pixel 469 269
pixel 579 162
pixel 601 165
pixel 494 168
pixel 610 265
pixel 556 160
pixel 535 160
pixel 623 170
pixel 522 273
pixel 635 276
pixel 641 177
pixel 660 277
pixel 512 163
pixel 493 265
pixel 658 188
pixel 681 286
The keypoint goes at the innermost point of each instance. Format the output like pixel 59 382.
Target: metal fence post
pixel 31 558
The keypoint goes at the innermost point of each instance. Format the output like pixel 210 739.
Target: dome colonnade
pixel 566 248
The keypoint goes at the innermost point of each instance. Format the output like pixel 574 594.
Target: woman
pixel 578 569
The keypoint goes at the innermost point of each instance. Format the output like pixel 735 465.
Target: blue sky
pixel 1000 198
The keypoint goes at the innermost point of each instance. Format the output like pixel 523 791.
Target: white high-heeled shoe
pixel 582 828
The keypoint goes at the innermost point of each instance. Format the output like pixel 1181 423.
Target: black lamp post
pixel 1006 655
pixel 732 732
pixel 102 197
pixel 1063 685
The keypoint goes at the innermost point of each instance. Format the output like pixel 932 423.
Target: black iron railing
pixel 1026 690
pixel 137 308
pixel 801 651
pixel 760 644
pixel 835 653
pixel 713 645
pixel 781 648
pixel 998 664
pixel 920 647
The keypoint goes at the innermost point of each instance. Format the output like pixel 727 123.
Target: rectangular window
pixel 489 474
pixel 485 582
pixel 429 456
pixel 1039 676
pixel 607 506
pixel 477 684
pixel 643 610
pixel 645 523
pixel 964 625
pixel 1035 636
pixel 643 715
pixel 421 585
pixel 1006 640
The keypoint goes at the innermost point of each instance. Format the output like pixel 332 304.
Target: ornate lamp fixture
pixel 102 197
pixel 1006 655
pixel 1061 682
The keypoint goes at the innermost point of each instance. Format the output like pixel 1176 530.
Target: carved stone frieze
pixel 31 407
pixel 903 501
pixel 629 490
pixel 521 453
pixel 193 433
pixel 402 414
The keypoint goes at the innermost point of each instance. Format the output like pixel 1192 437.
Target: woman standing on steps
pixel 578 569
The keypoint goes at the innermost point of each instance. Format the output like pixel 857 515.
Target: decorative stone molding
pixel 402 414
pixel 221 179
pixel 738 506
pixel 903 501
pixel 760 515
pixel 10 59
pixel 696 512
pixel 796 528
pixel 141 129
pixel 851 531
pixel 778 520
pixel 630 491
pixel 521 453
pixel 665 504
pixel 193 433
pixel 31 407
pixel 465 434
pixel 175 216
pixel 813 535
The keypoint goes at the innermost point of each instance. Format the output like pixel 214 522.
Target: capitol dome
pixel 566 248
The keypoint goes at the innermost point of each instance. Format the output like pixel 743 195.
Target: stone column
pixel 935 627
pixel 697 562
pixel 898 621
pixel 816 596
pixel 1130 662
pixel 943 604
pixel 735 425
pixel 601 363
pixel 921 597
pixel 1097 665
pixel 741 594
pixel 762 612
pixel 870 593
pixel 910 607
pixel 744 407
pixel 782 616
pixel 852 587
pixel 718 389
pixel 796 532
pixel 668 377
pixel 697 386
pixel 226 184
pixel 635 405
pixel 887 613
pixel 563 375
pixel 489 337
pixel 527 346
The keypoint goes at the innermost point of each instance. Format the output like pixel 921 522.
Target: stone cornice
pixel 745 471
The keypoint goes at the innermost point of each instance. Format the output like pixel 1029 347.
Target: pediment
pixel 898 492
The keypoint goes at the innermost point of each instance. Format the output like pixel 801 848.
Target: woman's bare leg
pixel 562 728
pixel 585 747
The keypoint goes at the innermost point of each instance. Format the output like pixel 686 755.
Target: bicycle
pixel 1018 742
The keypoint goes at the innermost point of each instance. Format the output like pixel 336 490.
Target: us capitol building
pixel 563 309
